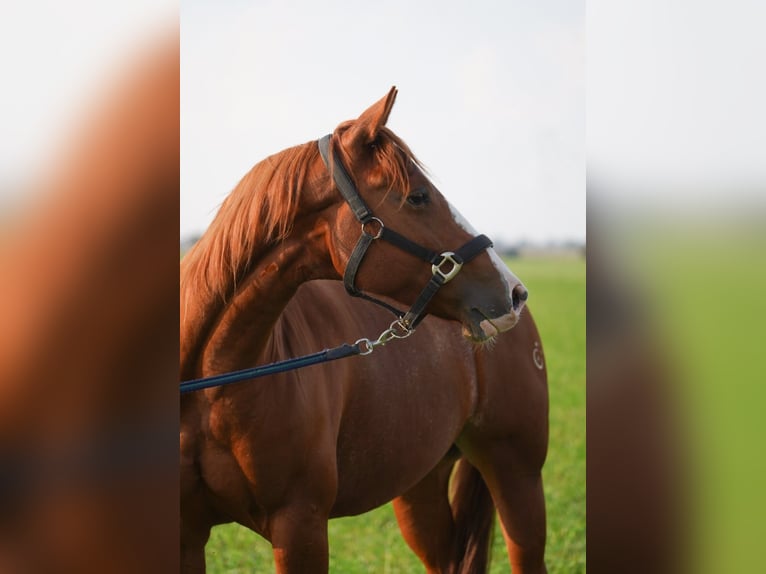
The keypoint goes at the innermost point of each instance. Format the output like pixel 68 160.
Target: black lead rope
pixel 345 350
pixel 444 267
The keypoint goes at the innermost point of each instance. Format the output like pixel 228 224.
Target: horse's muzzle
pixel 481 325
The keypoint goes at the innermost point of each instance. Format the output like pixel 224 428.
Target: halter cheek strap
pixel 444 266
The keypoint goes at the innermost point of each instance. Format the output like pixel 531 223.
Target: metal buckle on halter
pixel 380 228
pixel 447 256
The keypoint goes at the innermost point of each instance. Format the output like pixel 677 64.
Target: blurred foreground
pixel 88 345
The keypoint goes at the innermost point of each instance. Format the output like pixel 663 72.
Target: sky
pixel 675 99
pixel 491 99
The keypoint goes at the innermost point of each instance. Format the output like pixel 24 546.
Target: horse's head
pixel 484 295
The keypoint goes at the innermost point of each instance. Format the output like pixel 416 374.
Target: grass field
pixel 371 542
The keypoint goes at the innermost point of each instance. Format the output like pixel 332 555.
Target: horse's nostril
pixel 518 296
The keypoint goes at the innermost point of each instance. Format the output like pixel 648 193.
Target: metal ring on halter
pixel 447 256
pixel 396 330
pixel 384 338
pixel 365 346
pixel 403 330
pixel 380 228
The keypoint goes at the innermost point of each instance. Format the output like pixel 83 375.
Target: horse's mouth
pixel 480 328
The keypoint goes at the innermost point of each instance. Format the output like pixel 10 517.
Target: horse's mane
pixel 261 209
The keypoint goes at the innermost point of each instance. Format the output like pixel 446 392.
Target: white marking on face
pixel 510 279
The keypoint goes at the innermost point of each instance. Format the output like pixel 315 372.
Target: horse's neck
pixel 225 335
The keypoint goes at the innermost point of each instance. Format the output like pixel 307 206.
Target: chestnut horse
pixel 284 454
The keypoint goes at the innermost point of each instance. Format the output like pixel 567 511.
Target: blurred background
pixel 676 140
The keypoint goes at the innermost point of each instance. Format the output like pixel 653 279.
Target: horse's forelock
pixel 393 158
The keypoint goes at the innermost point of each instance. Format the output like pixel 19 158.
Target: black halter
pixel 373 228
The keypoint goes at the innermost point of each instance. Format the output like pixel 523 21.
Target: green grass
pixel 371 542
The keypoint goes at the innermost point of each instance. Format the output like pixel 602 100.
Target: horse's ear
pixel 365 129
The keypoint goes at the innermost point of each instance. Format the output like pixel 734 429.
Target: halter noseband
pixel 444 266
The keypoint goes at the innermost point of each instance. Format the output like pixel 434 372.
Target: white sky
pixel 491 98
pixel 676 97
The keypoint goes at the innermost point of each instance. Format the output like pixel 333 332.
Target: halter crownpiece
pixel 444 266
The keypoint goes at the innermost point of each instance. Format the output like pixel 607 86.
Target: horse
pixel 285 454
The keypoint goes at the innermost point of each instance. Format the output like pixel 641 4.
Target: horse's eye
pixel 418 197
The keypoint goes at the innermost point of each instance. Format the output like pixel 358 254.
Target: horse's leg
pixel 297 528
pixel 425 518
pixel 517 490
pixel 298 534
pixel 195 525
pixel 196 521
pixel 521 506
pixel 193 540
pixel 507 440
